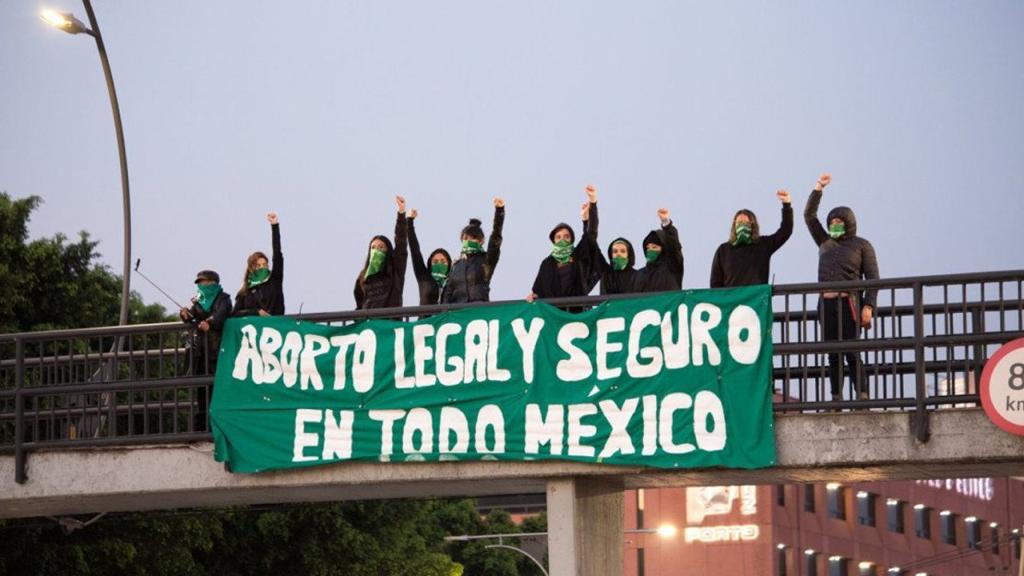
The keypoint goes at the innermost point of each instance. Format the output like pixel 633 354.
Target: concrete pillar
pixel 585 527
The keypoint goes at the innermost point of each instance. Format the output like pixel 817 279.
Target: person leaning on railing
pixel 842 255
pixel 432 274
pixel 211 306
pixel 568 269
pixel 746 258
pixel 262 291
pixel 664 254
pixel 381 281
pixel 470 276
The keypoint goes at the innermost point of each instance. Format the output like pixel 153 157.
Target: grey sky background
pixel 323 111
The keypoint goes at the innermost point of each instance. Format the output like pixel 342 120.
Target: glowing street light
pixel 64 21
pixel 667 530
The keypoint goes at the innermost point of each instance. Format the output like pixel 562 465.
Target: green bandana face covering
pixel 561 251
pixel 836 231
pixel 744 234
pixel 258 276
pixel 651 255
pixel 439 270
pixel 472 247
pixel 207 294
pixel 620 263
pixel 376 262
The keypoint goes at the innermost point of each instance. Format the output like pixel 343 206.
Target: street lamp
pixel 68 23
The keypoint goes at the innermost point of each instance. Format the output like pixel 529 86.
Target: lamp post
pixel 72 25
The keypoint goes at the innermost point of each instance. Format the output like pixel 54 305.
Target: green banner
pixel 671 380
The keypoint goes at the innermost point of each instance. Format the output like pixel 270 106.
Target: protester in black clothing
pixel 211 306
pixel 842 255
pixel 568 270
pixel 470 277
pixel 262 291
pixel 617 274
pixel 664 254
pixel 432 274
pixel 746 258
pixel 382 279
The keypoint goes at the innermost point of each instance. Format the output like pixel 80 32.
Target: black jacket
pixel 666 272
pixel 574 278
pixel 612 281
pixel 469 279
pixel 848 258
pixel 269 295
pixel 384 289
pixel 750 264
pixel 430 290
pixel 209 341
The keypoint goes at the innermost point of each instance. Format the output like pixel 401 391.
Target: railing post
pixel 920 417
pixel 19 411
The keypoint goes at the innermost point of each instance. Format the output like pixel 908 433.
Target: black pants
pixel 840 321
pixel 204 363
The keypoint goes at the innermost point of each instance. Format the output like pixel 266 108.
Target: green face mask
pixel 472 247
pixel 836 231
pixel 258 276
pixel 439 270
pixel 620 263
pixel 561 251
pixel 744 234
pixel 207 294
pixel 651 255
pixel 376 262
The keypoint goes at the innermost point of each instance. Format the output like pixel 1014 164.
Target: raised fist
pixel 591 193
pixel 499 203
pixel 783 196
pixel 272 217
pixel 585 211
pixel 400 202
pixel 663 214
pixel 823 181
pixel 413 214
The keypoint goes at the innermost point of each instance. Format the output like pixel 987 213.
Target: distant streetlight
pixel 68 23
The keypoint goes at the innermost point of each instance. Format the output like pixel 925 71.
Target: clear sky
pixel 323 111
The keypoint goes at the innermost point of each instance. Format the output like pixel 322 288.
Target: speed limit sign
pixel 1002 387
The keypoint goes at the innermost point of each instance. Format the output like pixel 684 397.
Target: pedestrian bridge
pixel 105 419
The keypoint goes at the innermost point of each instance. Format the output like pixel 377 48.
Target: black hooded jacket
pixel 209 342
pixel 750 264
pixel 574 278
pixel 469 279
pixel 269 295
pixel 384 289
pixel 666 272
pixel 849 257
pixel 430 290
pixel 618 281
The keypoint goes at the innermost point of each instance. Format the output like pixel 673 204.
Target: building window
pixel 948 523
pixel 1016 543
pixel 836 501
pixel 995 538
pixel 895 571
pixel 640 568
pixel 866 569
pixel 922 521
pixel 809 498
pixel 972 529
pixel 894 515
pixel 837 566
pixel 780 560
pixel 780 495
pixel 810 563
pixel 866 508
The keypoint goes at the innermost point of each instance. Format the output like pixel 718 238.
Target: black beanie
pixel 473 229
pixel 561 225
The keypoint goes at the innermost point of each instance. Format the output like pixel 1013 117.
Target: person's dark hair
pixel 562 226
pixel 473 230
pixel 755 229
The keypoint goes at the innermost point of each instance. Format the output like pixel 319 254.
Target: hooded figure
pixel 842 255
pixel 211 307
pixel 573 275
pixel 262 291
pixel 382 279
pixel 432 274
pixel 664 269
pixel 618 275
pixel 746 258
pixel 469 279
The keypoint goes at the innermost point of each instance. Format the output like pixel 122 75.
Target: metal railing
pixel 148 384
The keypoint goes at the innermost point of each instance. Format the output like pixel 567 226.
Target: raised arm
pixel 590 219
pixel 673 250
pixel 494 243
pixel 786 227
pixel 401 255
pixel 277 264
pixel 818 231
pixel 419 266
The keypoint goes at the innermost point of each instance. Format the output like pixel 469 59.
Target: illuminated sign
pixel 712 534
pixel 980 488
pixel 706 501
